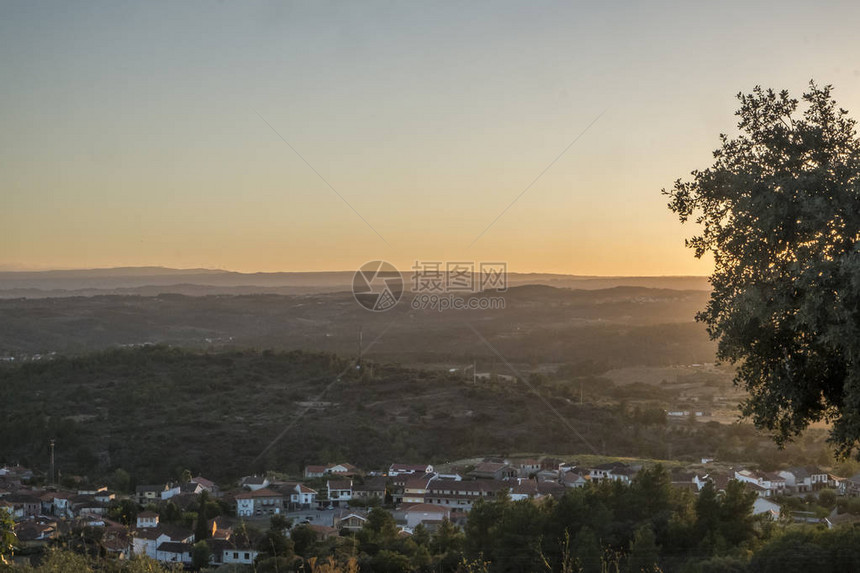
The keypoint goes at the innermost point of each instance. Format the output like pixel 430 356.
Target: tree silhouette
pixel 779 211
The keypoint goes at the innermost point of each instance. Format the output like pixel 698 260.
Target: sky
pixel 300 136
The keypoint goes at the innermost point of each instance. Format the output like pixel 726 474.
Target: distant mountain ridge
pixel 151 281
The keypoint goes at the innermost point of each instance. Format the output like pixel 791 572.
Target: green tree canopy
pixel 201 529
pixel 779 210
pixel 201 554
pixel 8 540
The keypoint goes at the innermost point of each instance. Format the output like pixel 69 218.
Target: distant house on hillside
pixel 255 482
pixel 415 488
pixel 191 488
pixel 208 485
pixel 171 490
pixel 174 552
pixel 233 551
pixel 399 469
pixel 850 486
pixel 614 471
pixel 58 504
pixel 462 495
pixel 343 469
pixel 372 488
pixel 149 493
pixel 603 471
pixel 314 471
pixel 24 504
pixel 766 484
pixel 425 513
pixel 339 491
pixel 573 479
pixel 524 489
pixel 258 503
pixel 527 467
pixel 148 541
pixel 493 470
pixel 804 479
pixel 303 497
pixel 352 521
pixel 147 519
pixel 347 470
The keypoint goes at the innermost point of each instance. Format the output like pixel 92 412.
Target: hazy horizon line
pixel 12 268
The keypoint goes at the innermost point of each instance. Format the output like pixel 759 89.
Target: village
pixel 335 499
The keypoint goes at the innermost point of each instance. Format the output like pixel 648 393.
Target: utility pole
pixel 360 349
pixel 52 462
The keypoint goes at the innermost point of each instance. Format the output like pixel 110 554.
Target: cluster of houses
pixel 414 493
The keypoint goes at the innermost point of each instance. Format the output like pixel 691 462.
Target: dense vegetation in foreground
pixel 154 411
pixel 646 526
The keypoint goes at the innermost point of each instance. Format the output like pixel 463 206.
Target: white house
pixel 603 471
pixel 147 541
pixel 398 469
pixel 422 512
pixel 147 519
pixel 259 502
pixel 805 478
pixel 616 471
pixel 303 496
pixel 339 490
pixel 173 552
pixel 255 482
pixel 170 490
pixel 56 504
pixel 768 484
pixel 341 469
pixel 242 555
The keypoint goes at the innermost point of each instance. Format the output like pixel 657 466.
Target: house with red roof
pixel 259 503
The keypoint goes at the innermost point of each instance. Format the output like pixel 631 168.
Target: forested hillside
pixel 152 410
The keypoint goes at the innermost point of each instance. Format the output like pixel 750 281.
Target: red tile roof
pixel 265 492
pixel 426 508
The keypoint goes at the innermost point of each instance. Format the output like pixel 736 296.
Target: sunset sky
pixel 135 133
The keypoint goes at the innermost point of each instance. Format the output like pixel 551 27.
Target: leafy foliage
pixel 8 540
pixel 157 411
pixel 780 212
